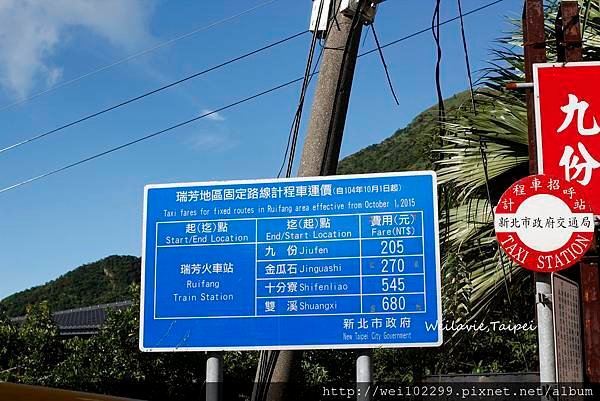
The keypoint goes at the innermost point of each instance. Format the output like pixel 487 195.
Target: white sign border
pixel 430 173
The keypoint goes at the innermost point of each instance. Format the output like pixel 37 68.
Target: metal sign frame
pixel 435 240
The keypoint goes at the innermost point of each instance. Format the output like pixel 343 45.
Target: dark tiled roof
pixel 82 321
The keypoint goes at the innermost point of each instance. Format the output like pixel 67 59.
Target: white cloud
pixel 213 141
pixel 32 30
pixel 213 117
pixel 53 76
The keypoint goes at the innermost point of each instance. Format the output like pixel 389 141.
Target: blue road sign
pixel 304 263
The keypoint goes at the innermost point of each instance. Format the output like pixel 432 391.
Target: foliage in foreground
pixel 110 362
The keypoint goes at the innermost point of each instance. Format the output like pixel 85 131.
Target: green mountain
pixel 106 280
pixel 408 148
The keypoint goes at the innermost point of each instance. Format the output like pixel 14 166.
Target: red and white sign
pixel 567 112
pixel 544 223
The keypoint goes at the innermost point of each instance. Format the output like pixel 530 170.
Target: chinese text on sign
pixel 305 263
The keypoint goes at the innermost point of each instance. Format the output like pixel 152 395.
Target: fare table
pixel 326 262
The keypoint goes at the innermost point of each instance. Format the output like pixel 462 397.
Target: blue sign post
pixel 305 263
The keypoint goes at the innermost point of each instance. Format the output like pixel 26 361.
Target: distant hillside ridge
pixel 106 280
pixel 409 148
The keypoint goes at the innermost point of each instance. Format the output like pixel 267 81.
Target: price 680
pixel 393 303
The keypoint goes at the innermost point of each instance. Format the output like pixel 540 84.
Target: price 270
pixel 392 265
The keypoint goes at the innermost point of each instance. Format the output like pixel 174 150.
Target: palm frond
pixel 489 150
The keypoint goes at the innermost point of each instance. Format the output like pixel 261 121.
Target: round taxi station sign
pixel 544 223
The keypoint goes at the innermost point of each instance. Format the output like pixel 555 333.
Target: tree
pixel 29 352
pixel 481 155
pixel 111 362
pixel 10 344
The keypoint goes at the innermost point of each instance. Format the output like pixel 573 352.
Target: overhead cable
pixel 273 89
pixel 466 52
pixel 482 144
pixel 290 150
pixel 134 99
pixel 385 67
pixel 428 29
pixel 152 135
pixel 152 92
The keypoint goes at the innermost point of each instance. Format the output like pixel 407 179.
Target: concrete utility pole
pixel 330 105
pixel 535 52
pixel 322 144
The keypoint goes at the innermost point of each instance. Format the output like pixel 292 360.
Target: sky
pixel 51 226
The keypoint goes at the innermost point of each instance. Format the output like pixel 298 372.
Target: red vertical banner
pixel 567 109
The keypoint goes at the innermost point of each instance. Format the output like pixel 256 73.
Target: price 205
pixel 392 247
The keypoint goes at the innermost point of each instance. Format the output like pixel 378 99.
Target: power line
pixel 385 67
pixel 466 52
pixel 134 56
pixel 152 92
pixel 435 30
pixel 136 98
pixel 290 150
pixel 273 89
pixel 428 29
pixel 482 145
pixel 152 135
